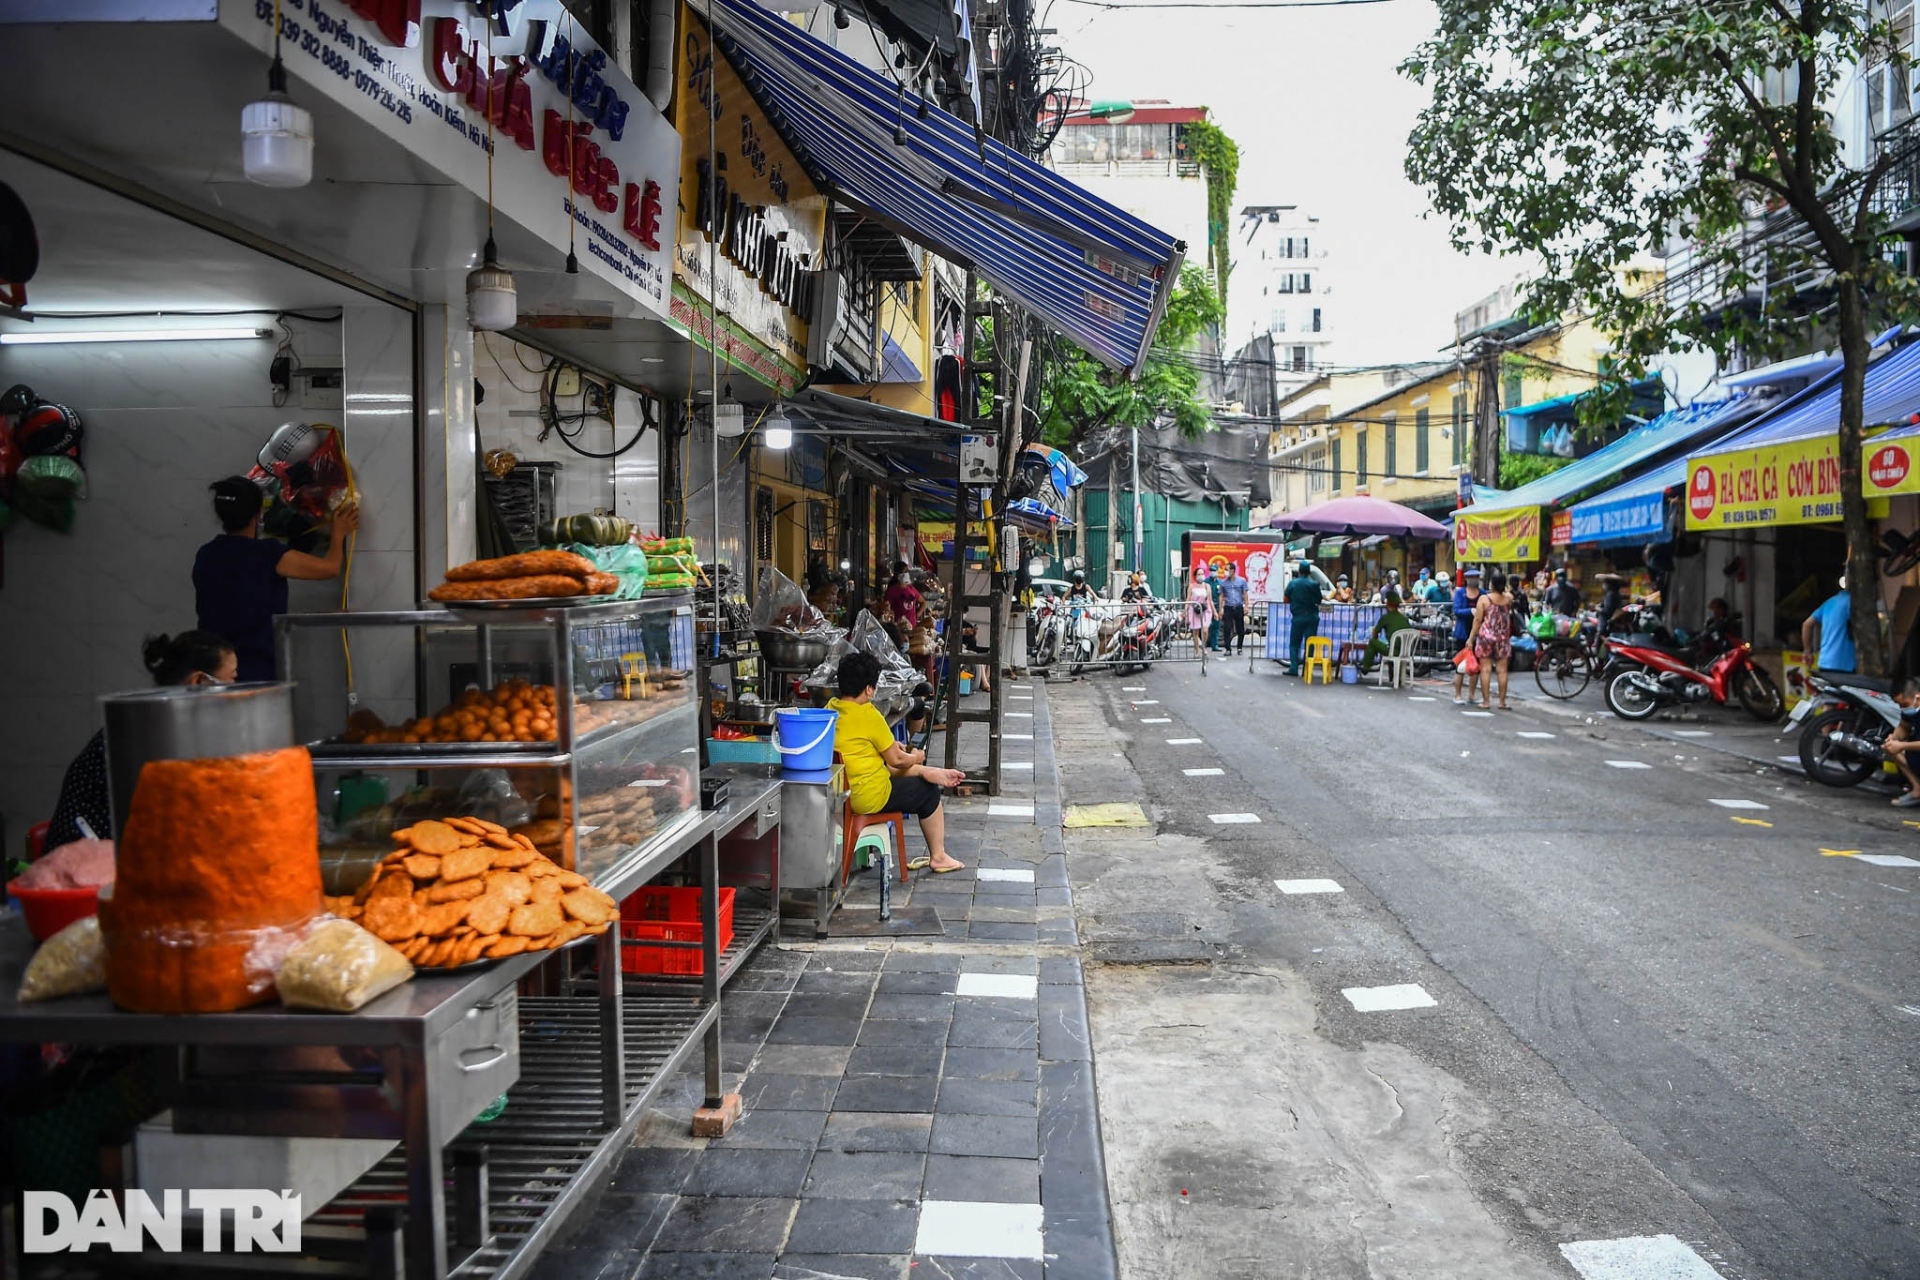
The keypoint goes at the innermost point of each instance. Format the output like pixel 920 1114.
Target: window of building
pixel 1279 319
pixel 1306 283
pixel 1359 458
pixel 1317 470
pixel 1336 464
pixel 1303 247
pixel 1390 451
pixel 1299 359
pixel 1420 446
pixel 1316 319
pixel 1514 389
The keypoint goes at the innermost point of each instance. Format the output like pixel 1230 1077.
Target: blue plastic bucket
pixel 805 737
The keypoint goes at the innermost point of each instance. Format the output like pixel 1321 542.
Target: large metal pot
pixel 786 650
pixel 189 722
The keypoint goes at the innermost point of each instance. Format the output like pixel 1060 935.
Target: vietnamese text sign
pixel 1255 560
pixel 1792 482
pixel 1498 536
pixel 573 141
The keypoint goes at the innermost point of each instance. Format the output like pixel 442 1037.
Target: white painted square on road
pixel 1016 875
pixel 1885 860
pixel 1233 819
pixel 977 1229
pixel 1156 720
pixel 1738 804
pixel 1003 810
pixel 1637 1258
pixel 1203 773
pixel 1404 995
pixel 999 986
pixel 1533 733
pixel 1309 886
pixel 1628 764
pixel 1185 742
pixel 1485 714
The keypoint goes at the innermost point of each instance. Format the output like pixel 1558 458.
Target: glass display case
pixel 575 726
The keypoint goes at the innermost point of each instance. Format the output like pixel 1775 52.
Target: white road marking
pixel 999 986
pixel 1693 733
pixel 1017 737
pixel 1637 1258
pixel 1405 995
pixel 1486 714
pixel 1885 860
pixel 1907 1008
pixel 998 810
pixel 1018 715
pixel 1309 886
pixel 1133 688
pixel 1016 764
pixel 1203 773
pixel 1157 720
pixel 1015 875
pixel 1532 733
pixel 1021 697
pixel 1416 698
pixel 1739 804
pixel 1146 702
pixel 1233 819
pixel 977 1229
pixel 1628 764
pixel 1185 742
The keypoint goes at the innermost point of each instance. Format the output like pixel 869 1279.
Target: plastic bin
pixel 804 737
pixel 741 751
pixel 659 913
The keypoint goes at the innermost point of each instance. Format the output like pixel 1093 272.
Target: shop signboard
pixel 1257 560
pixel 769 220
pixel 1791 482
pixel 1561 532
pixel 1498 536
pixel 576 147
pixel 1641 517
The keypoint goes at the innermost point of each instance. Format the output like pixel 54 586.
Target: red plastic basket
pixel 668 914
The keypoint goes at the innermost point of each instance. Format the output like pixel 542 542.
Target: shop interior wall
pixel 628 486
pixel 163 420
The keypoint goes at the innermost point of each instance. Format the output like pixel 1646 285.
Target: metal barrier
pixel 1175 642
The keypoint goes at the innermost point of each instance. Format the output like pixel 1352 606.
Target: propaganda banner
pixel 1497 536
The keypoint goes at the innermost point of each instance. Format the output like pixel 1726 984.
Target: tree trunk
pixel 1863 569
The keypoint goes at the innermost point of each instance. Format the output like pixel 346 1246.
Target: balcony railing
pixel 1897 199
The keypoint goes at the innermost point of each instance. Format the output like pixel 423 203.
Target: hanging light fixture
pixel 492 302
pixel 729 419
pixel 775 431
pixel 276 133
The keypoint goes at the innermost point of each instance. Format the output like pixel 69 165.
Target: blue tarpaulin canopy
pixel 1098 274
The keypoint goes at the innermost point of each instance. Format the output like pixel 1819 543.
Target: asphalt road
pixel 1681 1018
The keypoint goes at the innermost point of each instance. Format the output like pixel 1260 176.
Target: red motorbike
pixel 1717 668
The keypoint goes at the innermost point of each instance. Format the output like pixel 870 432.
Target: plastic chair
pixel 1396 666
pixel 852 824
pixel 1320 657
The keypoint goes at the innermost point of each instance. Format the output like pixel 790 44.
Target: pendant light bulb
pixel 729 419
pixel 775 431
pixel 840 18
pixel 492 303
pixel 276 136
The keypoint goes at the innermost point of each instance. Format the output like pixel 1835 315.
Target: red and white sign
pixel 1560 534
pixel 1888 466
pixel 1700 493
pixel 580 156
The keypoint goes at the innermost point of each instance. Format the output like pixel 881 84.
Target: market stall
pixel 429 973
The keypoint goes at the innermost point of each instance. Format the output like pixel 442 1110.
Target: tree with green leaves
pixel 1080 397
pixel 1583 134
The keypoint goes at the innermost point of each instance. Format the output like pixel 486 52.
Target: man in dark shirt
pixel 1303 597
pixel 1563 597
pixel 240 578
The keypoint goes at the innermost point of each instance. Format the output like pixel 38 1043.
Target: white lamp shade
pixel 775 431
pixel 276 142
pixel 729 420
pixel 492 303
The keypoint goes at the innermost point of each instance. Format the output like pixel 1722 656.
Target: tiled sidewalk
pixel 918 1107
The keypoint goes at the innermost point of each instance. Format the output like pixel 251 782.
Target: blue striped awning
pixel 1099 275
pixel 1892 396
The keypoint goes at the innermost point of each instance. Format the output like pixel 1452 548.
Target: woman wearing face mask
pixel 191 657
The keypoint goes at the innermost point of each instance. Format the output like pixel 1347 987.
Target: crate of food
pixel 664 913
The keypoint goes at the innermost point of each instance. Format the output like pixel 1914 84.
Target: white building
pixel 1132 154
pixel 1280 288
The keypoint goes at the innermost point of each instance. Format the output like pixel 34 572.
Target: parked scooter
pixel 1083 638
pixel 1142 638
pixel 1715 668
pixel 1046 633
pixel 1842 726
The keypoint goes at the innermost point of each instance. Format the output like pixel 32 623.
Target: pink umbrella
pixel 1361 517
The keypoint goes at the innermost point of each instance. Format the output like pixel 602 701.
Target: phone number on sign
pixel 317 42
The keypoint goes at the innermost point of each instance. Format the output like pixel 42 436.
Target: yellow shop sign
pixel 1499 536
pixel 1793 482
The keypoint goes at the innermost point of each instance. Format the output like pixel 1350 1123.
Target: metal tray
pixel 487 962
pixel 528 602
pixel 326 750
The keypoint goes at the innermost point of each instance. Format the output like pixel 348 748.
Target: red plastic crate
pixel 668 914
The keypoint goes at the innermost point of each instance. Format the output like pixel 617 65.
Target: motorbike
pixel 1842 726
pixel 1083 639
pixel 1655 672
pixel 1046 633
pixel 1142 639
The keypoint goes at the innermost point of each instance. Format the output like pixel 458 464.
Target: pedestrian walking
pixel 1233 601
pixel 1492 637
pixel 1466 599
pixel 1200 611
pixel 1218 598
pixel 1303 597
pixel 1563 597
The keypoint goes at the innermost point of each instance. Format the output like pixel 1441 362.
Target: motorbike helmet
pixel 1079 576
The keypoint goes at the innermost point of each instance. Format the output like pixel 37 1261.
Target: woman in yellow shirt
pixel 884 775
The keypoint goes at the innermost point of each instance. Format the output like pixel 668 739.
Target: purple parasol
pixel 1361 517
